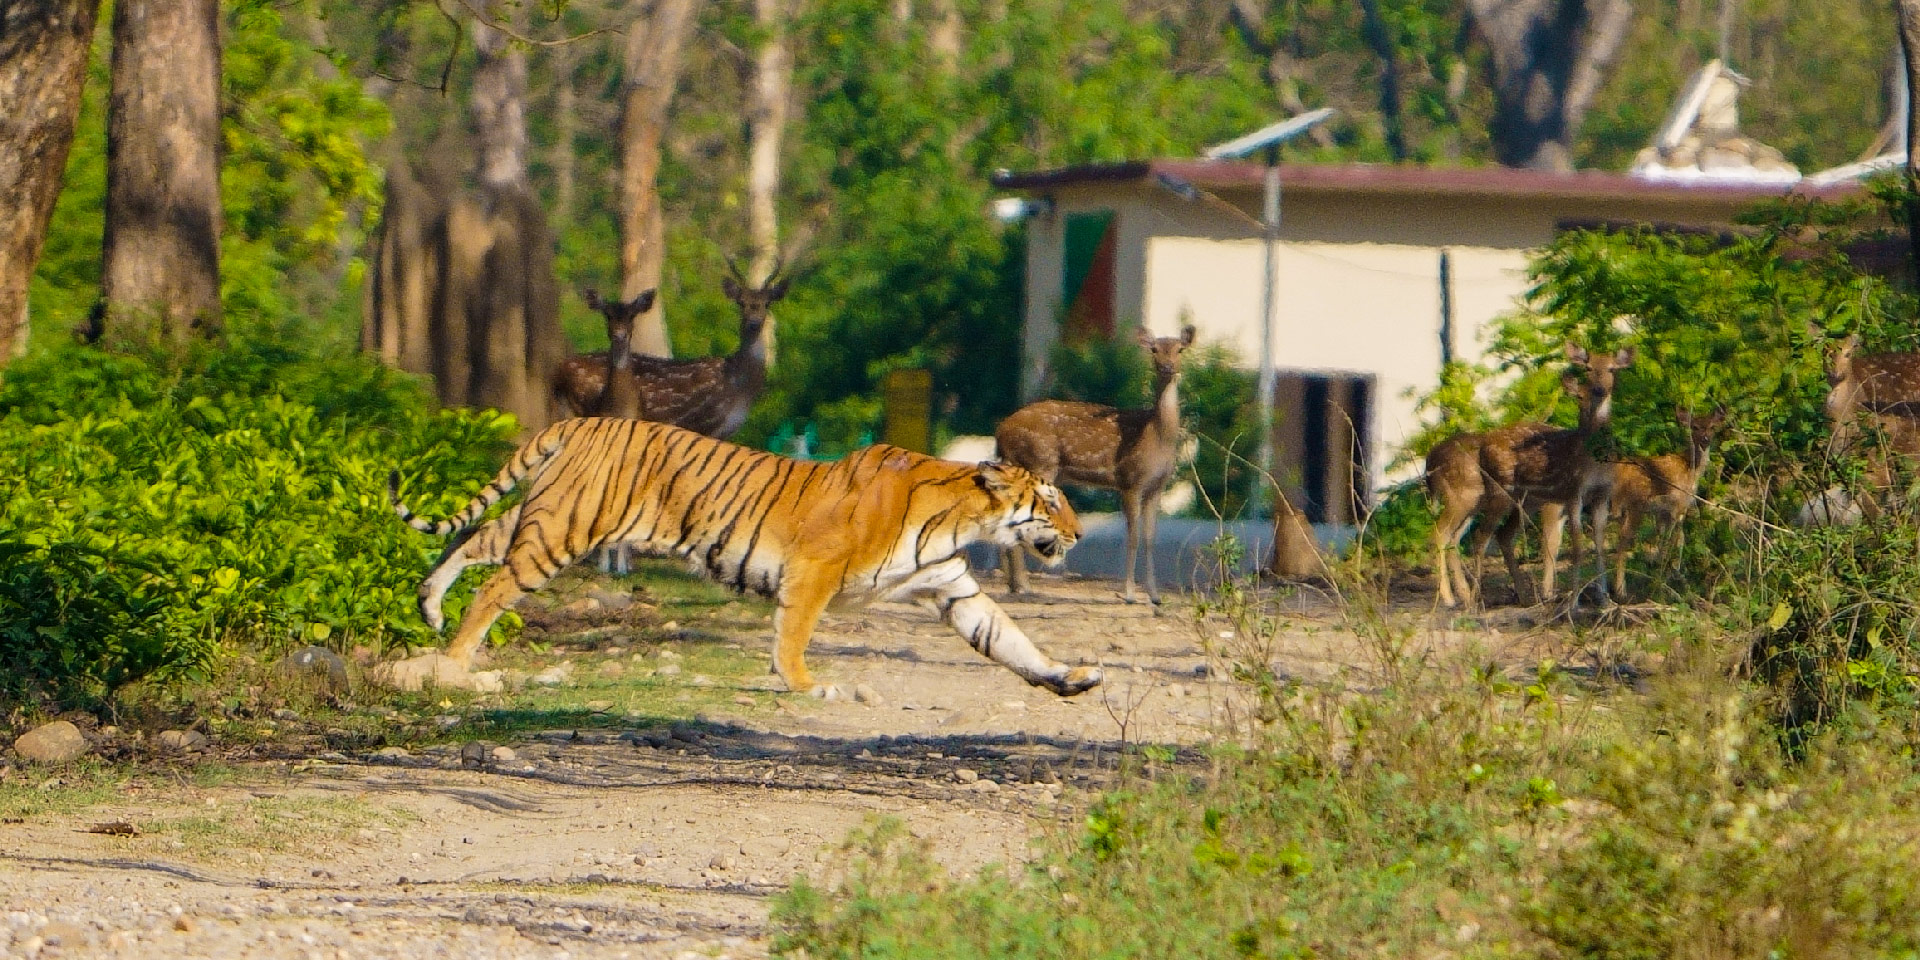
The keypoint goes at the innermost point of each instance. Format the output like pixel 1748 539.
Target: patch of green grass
pixel 301 825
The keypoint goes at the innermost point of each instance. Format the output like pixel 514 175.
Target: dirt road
pixel 640 842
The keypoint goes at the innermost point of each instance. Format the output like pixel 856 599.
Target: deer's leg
pixel 1622 546
pixel 803 596
pixel 1446 551
pixel 951 589
pixel 1552 523
pixel 1015 560
pixel 1149 521
pixel 1130 508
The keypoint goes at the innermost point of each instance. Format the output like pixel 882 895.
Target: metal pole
pixel 1270 221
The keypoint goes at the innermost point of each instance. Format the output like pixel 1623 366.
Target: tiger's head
pixel 1028 513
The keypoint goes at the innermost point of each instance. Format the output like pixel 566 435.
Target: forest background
pixel 898 112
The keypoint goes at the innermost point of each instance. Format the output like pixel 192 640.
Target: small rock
pixel 669 627
pixel 553 676
pixel 583 607
pixel 1201 670
pixel 701 680
pixel 180 741
pixel 599 706
pixel 865 693
pixel 317 665
pixel 184 923
pixel 1014 706
pixel 965 775
pixel 612 668
pixel 286 714
pixel 473 753
pixel 503 755
pixel 446 721
pixel 392 753
pixel 610 600
pixel 984 786
pixel 744 700
pixel 668 670
pixel 829 692
pixel 56 742
pixel 720 861
pixel 1176 690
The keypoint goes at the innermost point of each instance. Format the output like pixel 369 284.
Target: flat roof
pixel 1219 175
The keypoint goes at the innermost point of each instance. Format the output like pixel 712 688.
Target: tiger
pixel 882 523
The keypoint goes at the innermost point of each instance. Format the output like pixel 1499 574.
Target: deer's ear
pixel 777 291
pixel 730 287
pixel 642 303
pixel 1577 353
pixel 1623 357
pixel 1187 333
pixel 592 297
pixel 1144 337
pixel 993 479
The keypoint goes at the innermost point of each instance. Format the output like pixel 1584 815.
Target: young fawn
pixel 1664 487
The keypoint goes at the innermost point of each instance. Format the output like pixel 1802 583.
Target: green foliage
pixel 160 513
pixel 1111 370
pixel 1453 810
pixel 1216 401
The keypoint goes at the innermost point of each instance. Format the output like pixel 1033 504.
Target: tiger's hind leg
pixel 949 588
pixel 487 544
pixel 530 563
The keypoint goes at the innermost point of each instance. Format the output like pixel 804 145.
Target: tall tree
pixel 498 106
pixel 770 92
pixel 161 264
pixel 1909 11
pixel 655 41
pixel 1548 58
pixel 43 67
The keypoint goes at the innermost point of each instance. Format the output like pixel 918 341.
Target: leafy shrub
pixel 158 511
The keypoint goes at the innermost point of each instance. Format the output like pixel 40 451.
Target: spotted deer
pixel 711 395
pixel 1131 451
pixel 1873 407
pixel 1664 487
pixel 580 382
pixel 1556 472
pixel 1494 478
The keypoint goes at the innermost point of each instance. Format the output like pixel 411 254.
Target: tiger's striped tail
pixel 527 460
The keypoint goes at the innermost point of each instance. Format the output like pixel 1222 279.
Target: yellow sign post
pixel 909 421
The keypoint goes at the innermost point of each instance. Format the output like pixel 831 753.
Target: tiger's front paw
pixel 1076 681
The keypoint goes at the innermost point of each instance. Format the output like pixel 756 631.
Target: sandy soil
pixel 657 842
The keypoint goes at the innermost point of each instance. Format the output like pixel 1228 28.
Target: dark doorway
pixel 1323 425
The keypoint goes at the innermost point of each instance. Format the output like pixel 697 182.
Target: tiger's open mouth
pixel 1051 549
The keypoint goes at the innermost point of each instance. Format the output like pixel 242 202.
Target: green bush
pixel 159 512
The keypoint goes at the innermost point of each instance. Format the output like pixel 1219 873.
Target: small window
pixel 1087 281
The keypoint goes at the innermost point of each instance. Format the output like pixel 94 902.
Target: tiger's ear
pixel 993 479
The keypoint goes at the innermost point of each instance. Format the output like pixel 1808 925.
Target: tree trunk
pixel 43 68
pixel 654 44
pixel 498 106
pixel 1374 29
pixel 161 269
pixel 1549 60
pixel 1910 48
pixel 766 124
pixel 565 122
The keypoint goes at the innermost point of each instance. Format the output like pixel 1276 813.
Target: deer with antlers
pixel 1663 487
pixel 1496 477
pixel 1089 444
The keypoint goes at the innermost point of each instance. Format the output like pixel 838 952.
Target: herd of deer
pixel 1491 479
pixel 1495 477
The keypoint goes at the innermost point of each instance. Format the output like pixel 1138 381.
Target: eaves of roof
pixel 1227 175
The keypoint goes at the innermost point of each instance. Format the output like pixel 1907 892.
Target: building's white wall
pixel 1370 308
